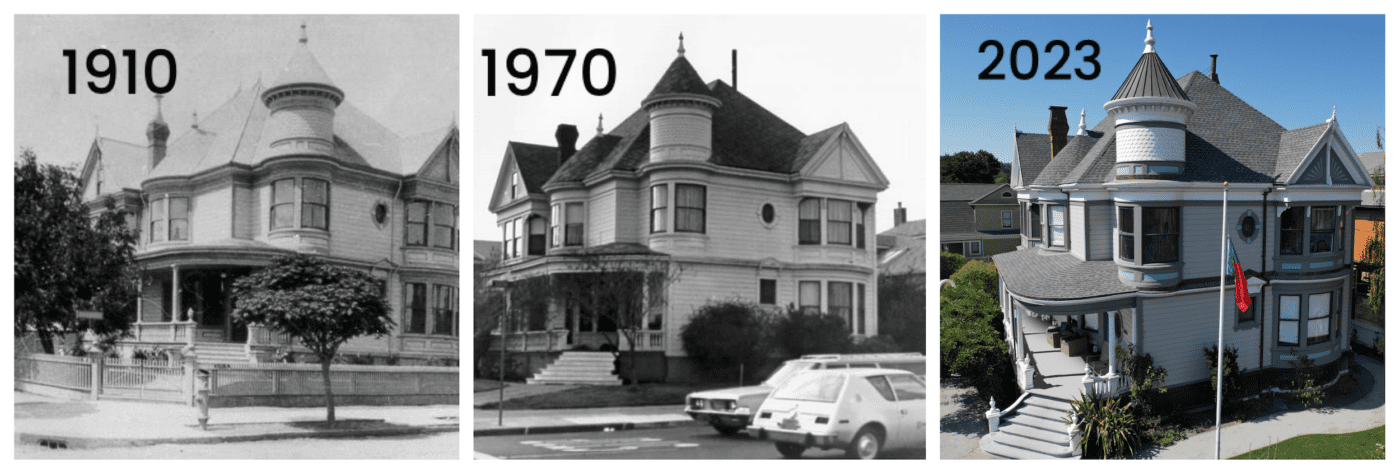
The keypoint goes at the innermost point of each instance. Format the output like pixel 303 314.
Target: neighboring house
pixel 485 254
pixel 1122 229
pixel 900 249
pixel 707 181
pixel 287 167
pixel 978 220
pixel 1370 216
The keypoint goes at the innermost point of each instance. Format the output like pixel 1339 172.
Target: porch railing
pixel 261 335
pixel 1108 385
pixel 534 341
pixel 649 340
pixel 180 331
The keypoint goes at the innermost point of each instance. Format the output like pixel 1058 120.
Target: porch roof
pixel 1058 276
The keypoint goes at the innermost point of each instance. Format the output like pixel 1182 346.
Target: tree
pixel 969 167
pixel 979 274
pixel 903 311
pixel 805 332
pixel 723 336
pixel 66 258
pixel 320 305
pixel 621 291
pixel 969 343
pixel 949 263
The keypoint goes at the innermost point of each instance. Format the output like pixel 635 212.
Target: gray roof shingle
pixel 965 192
pixel 1033 151
pixel 1293 147
pixel 1058 276
pixel 1150 78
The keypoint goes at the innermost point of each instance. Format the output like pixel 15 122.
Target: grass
pixel 607 396
pixel 1366 444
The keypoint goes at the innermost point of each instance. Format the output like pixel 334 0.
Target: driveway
pixel 960 421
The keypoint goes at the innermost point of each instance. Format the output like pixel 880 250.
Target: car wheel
pixel 866 444
pixel 790 451
pixel 727 430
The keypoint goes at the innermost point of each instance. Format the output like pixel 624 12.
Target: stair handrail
pixel 994 415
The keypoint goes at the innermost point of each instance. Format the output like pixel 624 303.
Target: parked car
pixel 864 411
pixel 730 410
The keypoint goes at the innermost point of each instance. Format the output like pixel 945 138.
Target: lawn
pixel 1366 444
pixel 607 396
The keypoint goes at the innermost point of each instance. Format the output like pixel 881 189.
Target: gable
pixel 444 163
pixel 843 158
pixel 1330 161
pixel 500 195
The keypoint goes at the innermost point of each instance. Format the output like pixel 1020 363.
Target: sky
pixel 400 70
pixel 1292 68
pixel 812 71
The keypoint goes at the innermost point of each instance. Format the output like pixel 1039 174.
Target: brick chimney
pixel 1213 76
pixel 567 136
pixel 900 215
pixel 1059 129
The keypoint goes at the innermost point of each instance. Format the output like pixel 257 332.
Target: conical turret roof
pixel 302 69
pixel 680 79
pixel 1150 78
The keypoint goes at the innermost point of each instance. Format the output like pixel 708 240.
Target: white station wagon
pixel 864 411
pixel 730 410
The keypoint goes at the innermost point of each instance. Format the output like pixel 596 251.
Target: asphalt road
pixel 430 446
pixel 684 442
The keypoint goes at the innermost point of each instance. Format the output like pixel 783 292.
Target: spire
pixel 600 123
pixel 1334 115
pixel 1149 41
pixel 303 33
pixel 1081 124
pixel 159 118
pixel 681 50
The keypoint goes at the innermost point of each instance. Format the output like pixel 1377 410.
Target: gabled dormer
pixel 1330 160
pixel 521 205
pixel 837 156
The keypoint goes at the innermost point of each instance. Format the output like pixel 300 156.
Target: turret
pixel 156 134
pixel 302 102
pixel 1149 113
pixel 681 109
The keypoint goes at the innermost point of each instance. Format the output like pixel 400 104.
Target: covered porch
pixel 180 304
pixel 1060 368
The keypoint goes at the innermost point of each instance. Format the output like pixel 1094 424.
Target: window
pixel 1057 225
pixel 283 204
pixel 658 209
pixel 767 291
pixel 809 222
pixel 860 309
pixel 838 222
pixel 1319 318
pixel 882 386
pixel 1291 231
pixel 1160 233
pixel 1006 218
pixel 444 225
pixel 1324 230
pixel 179 219
pixel 416 308
pixel 859 218
pixel 315 199
pixel 690 208
pixel 1247 316
pixel 516 236
pixel 1288 320
pixel 955 248
pixel 907 387
pixel 974 248
pixel 767 213
pixel 1125 234
pixel 556 223
pixel 444 310
pixel 536 235
pixel 965 248
pixel 1035 222
pixel 416 232
pixel 158 220
pixel 839 301
pixel 514 185
pixel 809 296
pixel 573 224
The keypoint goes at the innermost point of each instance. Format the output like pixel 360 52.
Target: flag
pixel 1241 289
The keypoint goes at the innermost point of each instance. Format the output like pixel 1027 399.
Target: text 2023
pixel 1054 73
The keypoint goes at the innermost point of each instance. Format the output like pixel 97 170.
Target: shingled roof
pixel 1033 152
pixel 536 163
pixel 1058 276
pixel 907 251
pixel 679 78
pixel 1150 78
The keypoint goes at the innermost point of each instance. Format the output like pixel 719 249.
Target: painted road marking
pixel 585 445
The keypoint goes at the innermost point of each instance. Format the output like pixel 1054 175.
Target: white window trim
pixel 1008 219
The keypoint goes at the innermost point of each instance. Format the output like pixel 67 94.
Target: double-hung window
pixel 444 225
pixel 315 201
pixel 690 208
pixel 436 222
pixel 809 296
pixel 158 220
pixel 1160 234
pixel 1036 222
pixel 658 208
pixel 416 230
pixel 1319 318
pixel 416 308
pixel 767 291
pixel 556 226
pixel 839 301
pixel 859 217
pixel 1288 320
pixel 809 221
pixel 444 309
pixel 1057 225
pixel 1322 236
pixel 284 203
pixel 1308 230
pixel 1006 218
pixel 860 309
pixel 170 219
pixel 1291 231
pixel 573 224
pixel 838 222
pixel 1126 234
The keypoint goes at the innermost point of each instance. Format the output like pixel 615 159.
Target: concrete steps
pixel 578 368
pixel 1036 430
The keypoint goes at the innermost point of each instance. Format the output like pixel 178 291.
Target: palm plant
pixel 1107 426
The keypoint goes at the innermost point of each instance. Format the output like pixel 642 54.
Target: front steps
pixel 1036 430
pixel 578 368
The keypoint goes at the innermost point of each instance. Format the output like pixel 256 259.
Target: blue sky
pixel 1292 68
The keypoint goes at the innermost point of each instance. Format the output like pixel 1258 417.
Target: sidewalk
pixel 1364 413
pixel 522 422
pixel 104 423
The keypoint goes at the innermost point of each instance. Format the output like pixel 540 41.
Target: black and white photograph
pixel 236 237
pixel 699 237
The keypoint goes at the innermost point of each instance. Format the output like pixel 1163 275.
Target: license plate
pixel 788 424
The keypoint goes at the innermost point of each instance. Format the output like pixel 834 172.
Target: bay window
pixel 1292 330
pixel 315 201
pixel 658 208
pixel 809 221
pixel 573 224
pixel 170 219
pixel 838 222
pixel 1311 229
pixel 1160 235
pixel 690 208
pixel 435 221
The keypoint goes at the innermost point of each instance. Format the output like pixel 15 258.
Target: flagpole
pixel 1220 344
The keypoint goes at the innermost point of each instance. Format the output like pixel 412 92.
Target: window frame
pixel 1176 234
pixel 437 226
pixel 1036 218
pixel 1008 219
pixel 1306 335
pixel 1140 237
pixel 1050 226
pixel 858 216
pixel 833 221
pixel 415 318
pixel 835 297
pixel 1127 240
pixel 860 309
pixel 809 229
pixel 802 294
pixel 159 206
pixel 574 229
pixel 658 210
pixel 444 310
pixel 1296 320
pixel 309 206
pixel 768 291
pixel 282 203
pixel 423 223
pixel 679 207
pixel 1305 231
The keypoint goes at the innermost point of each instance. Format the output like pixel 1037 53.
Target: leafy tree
pixel 67 258
pixel 804 332
pixel 969 167
pixel 320 305
pixel 969 343
pixel 487 305
pixel 949 263
pixel 979 274
pixel 722 336
pixel 903 311
pixel 1233 389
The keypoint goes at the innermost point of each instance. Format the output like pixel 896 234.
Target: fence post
pixel 97 373
pixel 191 365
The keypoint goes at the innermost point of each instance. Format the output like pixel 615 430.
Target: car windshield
pixel 786 372
pixel 813 387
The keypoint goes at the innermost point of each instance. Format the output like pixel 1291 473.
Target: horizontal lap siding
pixel 602 216
pixel 1077 241
pixel 1100 229
pixel 1177 328
pixel 211 216
pixel 735 229
pixel 631 214
pixel 1200 250
pixel 246 213
pixel 353 231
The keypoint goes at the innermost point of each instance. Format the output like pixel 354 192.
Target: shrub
pixel 1231 393
pixel 903 311
pixel 1310 394
pixel 1143 378
pixel 969 345
pixel 1108 427
pixel 949 263
pixel 978 274
pixel 801 333
pixel 722 336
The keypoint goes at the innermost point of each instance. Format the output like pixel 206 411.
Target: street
pixel 430 446
pixel 684 442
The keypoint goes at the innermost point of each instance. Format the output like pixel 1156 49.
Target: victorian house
pixel 287 167
pixel 1122 246
pixel 700 180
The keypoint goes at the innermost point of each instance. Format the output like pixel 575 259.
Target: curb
pixel 68 442
pixel 539 430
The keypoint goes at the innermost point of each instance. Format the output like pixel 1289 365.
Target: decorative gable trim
pixel 842 158
pixel 508 167
pixel 1328 144
pixel 995 193
pixel 442 165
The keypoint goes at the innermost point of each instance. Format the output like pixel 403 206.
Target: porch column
pixel 1112 339
pixel 174 298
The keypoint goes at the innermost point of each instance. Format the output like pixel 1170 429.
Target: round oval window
pixel 380 213
pixel 767 213
pixel 1247 226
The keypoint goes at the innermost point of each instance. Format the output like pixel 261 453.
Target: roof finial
pixel 195 123
pixel 600 123
pixel 159 118
pixel 303 33
pixel 1149 40
pixel 1081 123
pixel 1334 115
pixel 681 50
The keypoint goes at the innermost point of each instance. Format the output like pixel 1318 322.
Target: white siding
pixel 211 215
pixel 1200 250
pixel 1100 228
pixel 1177 328
pixel 602 215
pixel 353 231
pixel 1077 221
